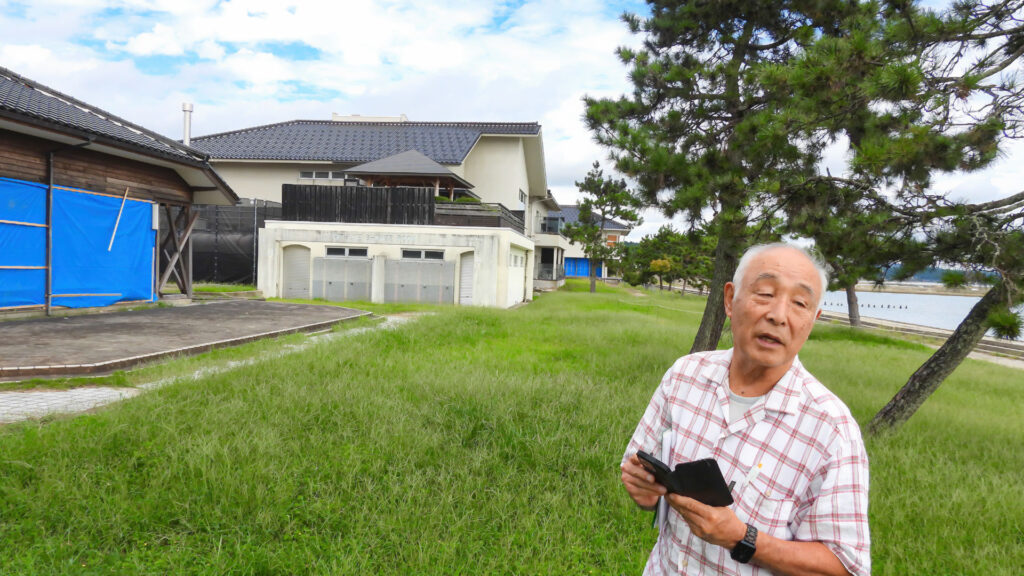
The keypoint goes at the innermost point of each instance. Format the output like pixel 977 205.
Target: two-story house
pixel 465 256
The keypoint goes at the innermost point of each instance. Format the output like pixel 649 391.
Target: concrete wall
pixel 493 249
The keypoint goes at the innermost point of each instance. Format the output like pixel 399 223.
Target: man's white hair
pixel 754 251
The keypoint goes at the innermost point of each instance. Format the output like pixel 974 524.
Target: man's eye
pixel 801 304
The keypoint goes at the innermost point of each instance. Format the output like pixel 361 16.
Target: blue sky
pixel 252 62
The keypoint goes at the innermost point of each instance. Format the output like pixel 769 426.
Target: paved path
pixel 23 405
pixel 102 343
pixel 17 405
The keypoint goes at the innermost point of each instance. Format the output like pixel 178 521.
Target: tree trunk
pixel 593 276
pixel 711 323
pixel 852 306
pixel 941 364
pixel 683 291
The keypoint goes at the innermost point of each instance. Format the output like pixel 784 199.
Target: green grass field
pixel 471 441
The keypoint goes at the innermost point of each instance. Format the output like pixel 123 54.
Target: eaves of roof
pixel 25 101
pixel 355 142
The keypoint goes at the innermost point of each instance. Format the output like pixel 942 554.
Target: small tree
pixel 661 267
pixel 603 200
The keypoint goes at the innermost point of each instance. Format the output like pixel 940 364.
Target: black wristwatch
pixel 745 548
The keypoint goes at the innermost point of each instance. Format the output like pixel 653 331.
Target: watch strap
pixel 744 549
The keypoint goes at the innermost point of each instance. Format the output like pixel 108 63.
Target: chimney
pixel 186 107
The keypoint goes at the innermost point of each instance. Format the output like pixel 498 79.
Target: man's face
pixel 774 308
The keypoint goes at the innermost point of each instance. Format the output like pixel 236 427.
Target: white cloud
pixel 250 62
pixel 161 40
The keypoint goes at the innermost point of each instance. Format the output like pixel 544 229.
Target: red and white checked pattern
pixel 797 458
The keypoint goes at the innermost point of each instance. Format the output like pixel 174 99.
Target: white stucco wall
pixel 492 248
pixel 263 180
pixel 496 167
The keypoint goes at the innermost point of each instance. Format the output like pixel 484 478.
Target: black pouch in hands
pixel 701 480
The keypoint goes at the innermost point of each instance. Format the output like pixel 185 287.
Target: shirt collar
pixel 785 395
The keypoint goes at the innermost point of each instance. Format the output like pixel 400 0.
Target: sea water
pixel 934 310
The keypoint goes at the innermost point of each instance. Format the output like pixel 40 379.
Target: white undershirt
pixel 738 405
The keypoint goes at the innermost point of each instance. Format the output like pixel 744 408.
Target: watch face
pixel 743 552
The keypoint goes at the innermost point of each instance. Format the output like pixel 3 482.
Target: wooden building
pixel 81 197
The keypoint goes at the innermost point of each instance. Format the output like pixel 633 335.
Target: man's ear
pixel 730 292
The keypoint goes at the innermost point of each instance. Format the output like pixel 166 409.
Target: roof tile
pixel 24 98
pixel 334 141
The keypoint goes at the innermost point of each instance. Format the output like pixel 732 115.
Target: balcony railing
pixel 550 225
pixel 550 272
pixel 477 214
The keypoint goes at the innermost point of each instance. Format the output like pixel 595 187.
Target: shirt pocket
pixel 767 509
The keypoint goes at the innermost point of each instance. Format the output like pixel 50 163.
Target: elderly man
pixel 791 448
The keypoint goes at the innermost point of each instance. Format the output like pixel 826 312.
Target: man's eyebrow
pixel 808 288
pixel 769 276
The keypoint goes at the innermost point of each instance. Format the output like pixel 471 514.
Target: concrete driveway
pixel 99 343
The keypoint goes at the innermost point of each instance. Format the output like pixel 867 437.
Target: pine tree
pixel 694 134
pixel 917 92
pixel 603 200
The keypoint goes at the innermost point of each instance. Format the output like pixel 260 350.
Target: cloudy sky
pixel 246 63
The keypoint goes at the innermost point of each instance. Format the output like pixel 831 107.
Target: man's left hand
pixel 717 525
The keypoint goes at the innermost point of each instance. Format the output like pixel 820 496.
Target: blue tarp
pixel 85 273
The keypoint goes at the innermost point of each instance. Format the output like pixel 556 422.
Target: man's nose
pixel 777 312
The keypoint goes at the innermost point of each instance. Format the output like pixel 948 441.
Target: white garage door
pixel 466 279
pixel 296 272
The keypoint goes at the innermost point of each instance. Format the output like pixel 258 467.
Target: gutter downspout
pixel 49 219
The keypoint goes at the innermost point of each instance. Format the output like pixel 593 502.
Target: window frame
pixel 348 252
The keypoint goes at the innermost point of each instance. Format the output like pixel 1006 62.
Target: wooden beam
pixel 178 242
pixel 177 277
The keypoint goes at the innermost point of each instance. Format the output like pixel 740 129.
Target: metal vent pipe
pixel 186 107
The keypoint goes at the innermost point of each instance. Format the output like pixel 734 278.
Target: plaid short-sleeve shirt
pixel 797 459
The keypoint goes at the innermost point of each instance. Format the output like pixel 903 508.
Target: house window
pixel 343 251
pixel 522 200
pixel 423 254
pixel 321 175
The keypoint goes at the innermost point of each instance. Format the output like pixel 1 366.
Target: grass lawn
pixel 472 441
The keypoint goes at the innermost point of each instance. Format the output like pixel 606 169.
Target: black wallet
pixel 701 480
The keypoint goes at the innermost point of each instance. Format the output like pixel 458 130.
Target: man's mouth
pixel 769 340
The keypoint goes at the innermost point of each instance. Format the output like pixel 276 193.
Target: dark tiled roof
pixel 28 101
pixel 334 141
pixel 570 214
pixel 408 163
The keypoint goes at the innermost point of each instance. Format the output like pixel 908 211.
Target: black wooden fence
pixel 357 204
pixel 225 242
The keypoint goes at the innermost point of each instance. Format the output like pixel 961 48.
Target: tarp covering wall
pixel 85 272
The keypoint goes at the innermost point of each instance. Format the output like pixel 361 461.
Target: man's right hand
pixel 640 483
